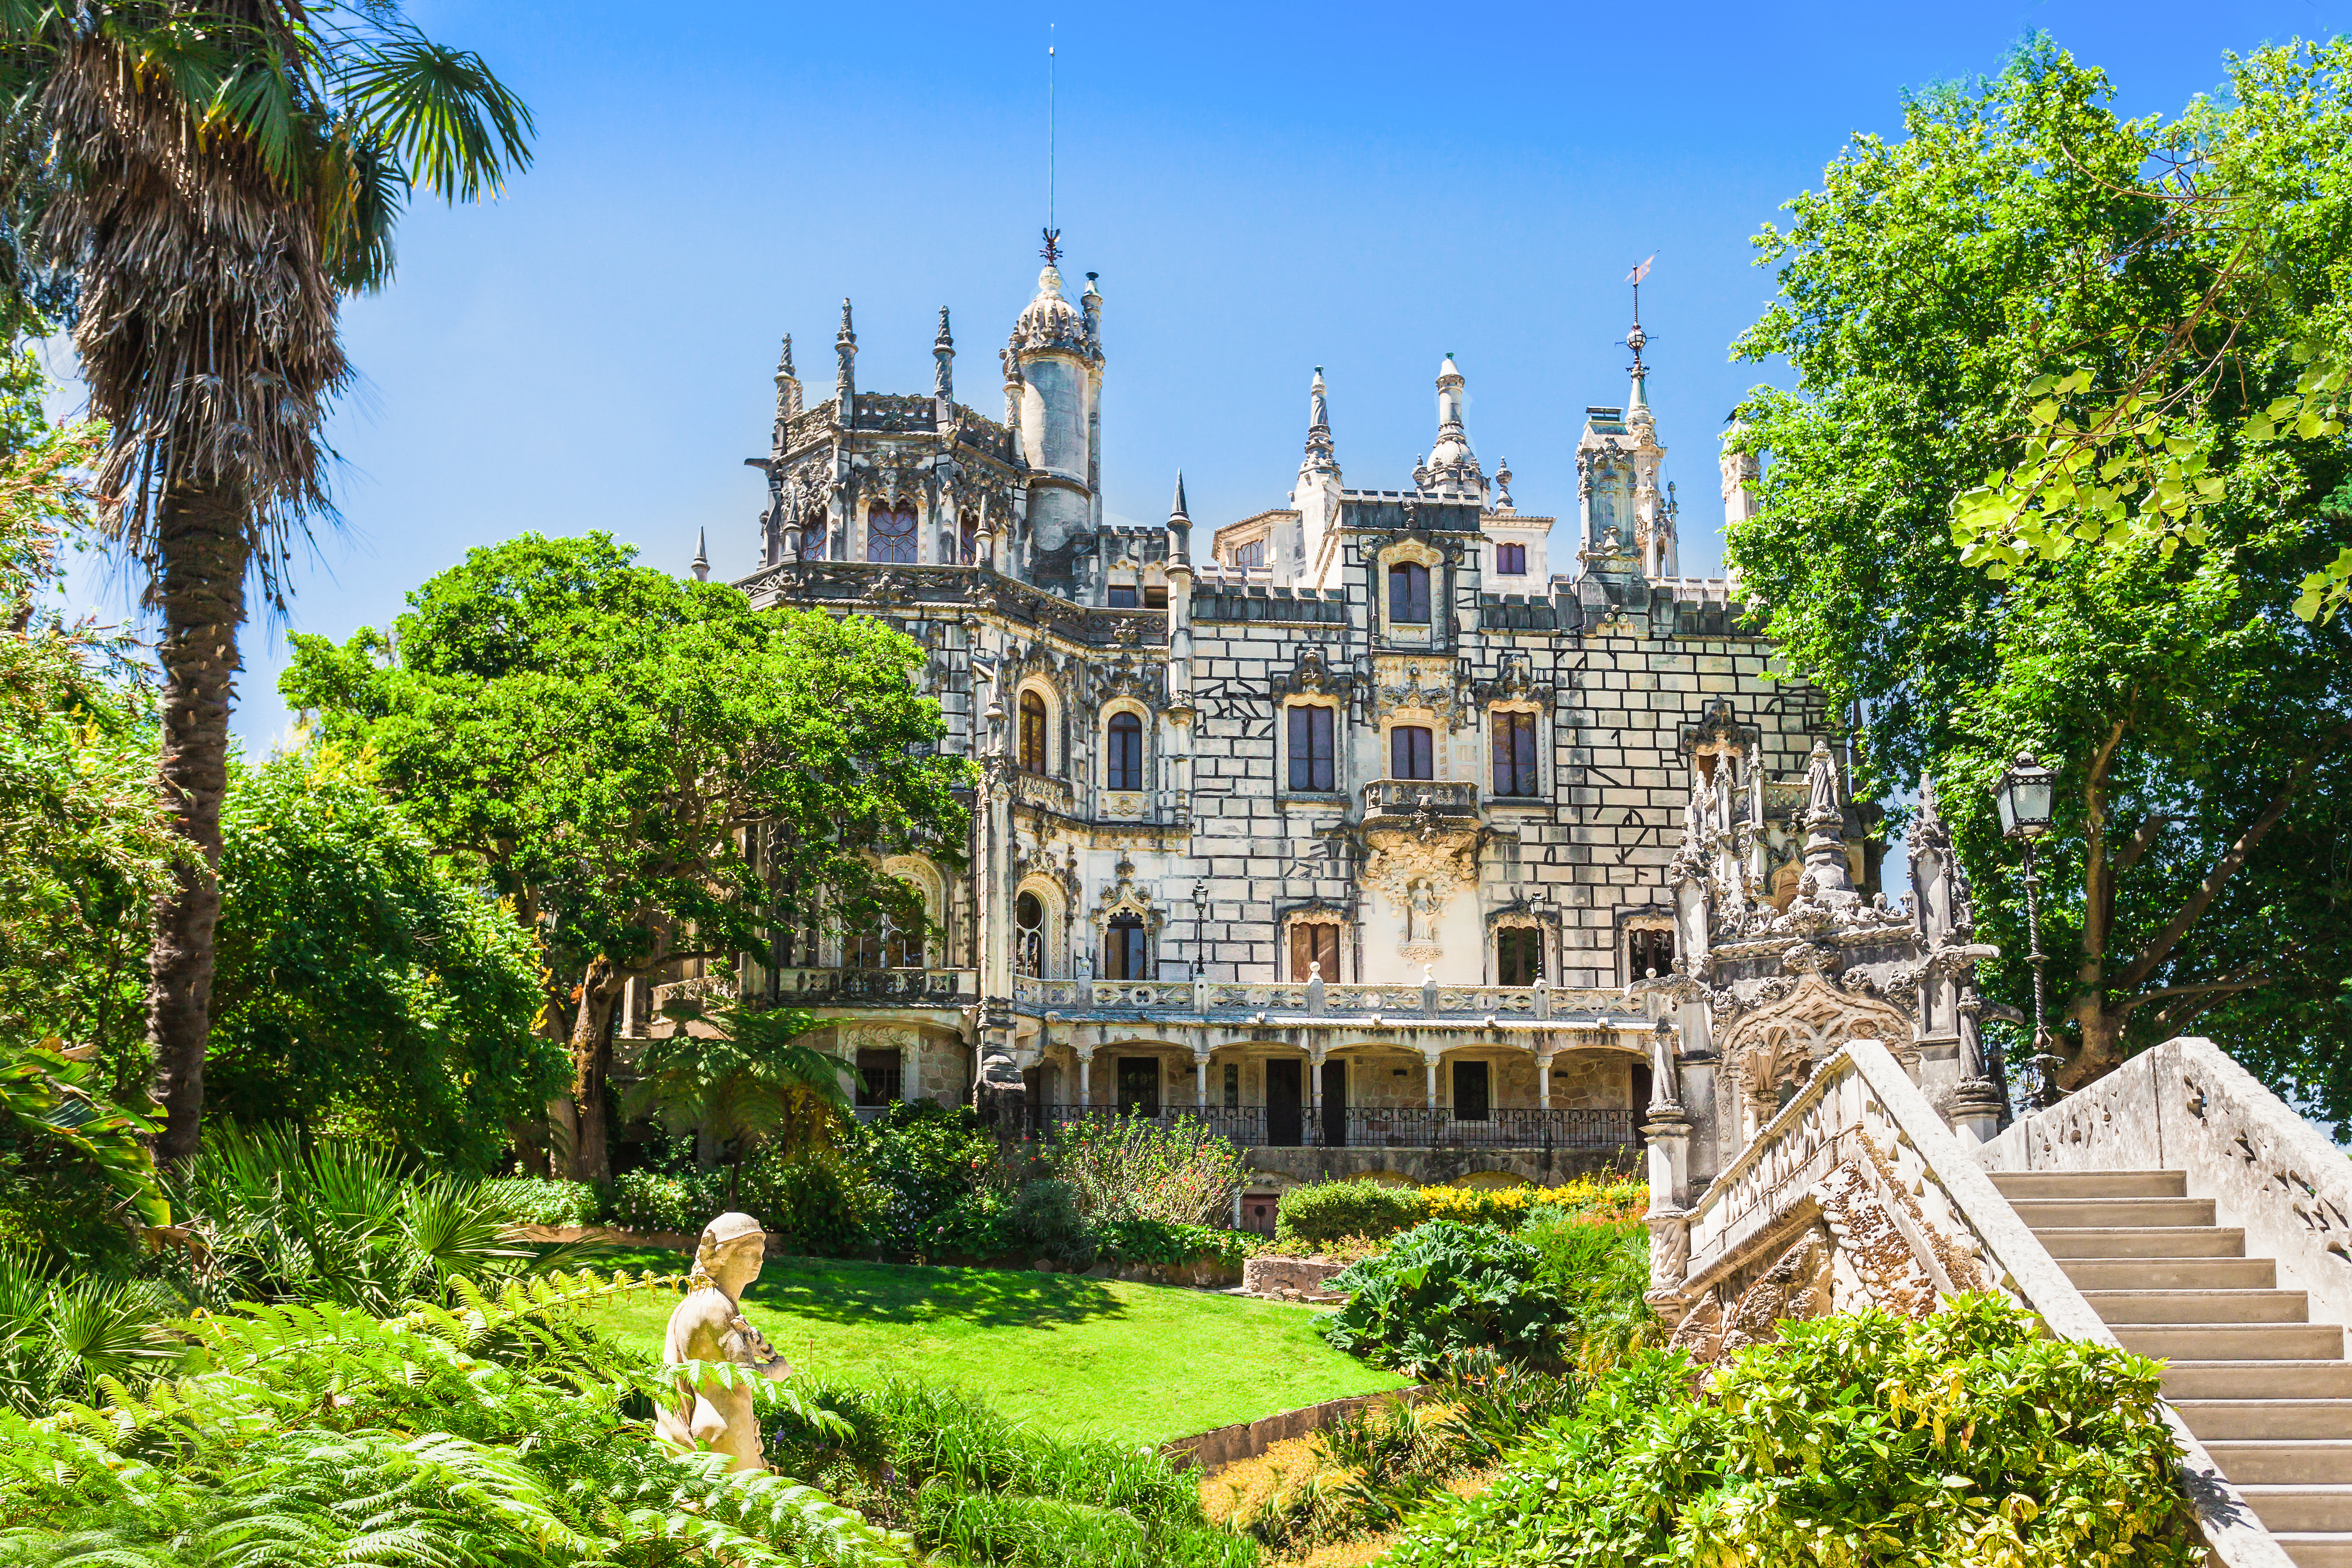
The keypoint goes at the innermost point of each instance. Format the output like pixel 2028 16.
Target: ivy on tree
pixel 1948 301
pixel 649 768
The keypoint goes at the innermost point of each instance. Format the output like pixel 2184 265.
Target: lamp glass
pixel 2023 798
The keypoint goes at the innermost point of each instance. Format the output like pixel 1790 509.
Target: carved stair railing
pixel 1858 1194
pixel 2185 1106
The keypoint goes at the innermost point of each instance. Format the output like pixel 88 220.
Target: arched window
pixel 890 534
pixel 1123 956
pixel 1033 732
pixel 1411 755
pixel 968 540
pixel 861 949
pixel 1123 762
pixel 1029 934
pixel 813 536
pixel 1409 593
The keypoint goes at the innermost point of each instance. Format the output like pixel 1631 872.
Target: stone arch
pixel 1778 1045
pixel 1057 763
pixel 924 878
pixel 1052 959
pixel 1111 709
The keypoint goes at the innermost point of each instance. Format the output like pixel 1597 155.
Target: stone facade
pixel 1352 829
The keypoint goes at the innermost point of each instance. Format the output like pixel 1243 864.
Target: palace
pixel 1347 826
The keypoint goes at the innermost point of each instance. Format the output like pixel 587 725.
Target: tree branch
pixel 2098 877
pixel 2148 831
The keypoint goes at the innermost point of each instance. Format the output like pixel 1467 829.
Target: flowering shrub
pixel 1130 1167
pixel 1328 1210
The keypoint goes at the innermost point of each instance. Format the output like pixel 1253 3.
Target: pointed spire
pixel 844 353
pixel 1503 501
pixel 788 392
pixel 1180 528
pixel 1176 509
pixel 943 353
pixel 1452 464
pixel 1320 456
pixel 701 555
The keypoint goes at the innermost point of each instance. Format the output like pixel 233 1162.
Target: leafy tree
pixel 212 178
pixel 751 1082
pixel 1934 293
pixel 362 982
pixel 651 770
pixel 84 846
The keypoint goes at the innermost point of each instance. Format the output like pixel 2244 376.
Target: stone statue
pixel 709 1326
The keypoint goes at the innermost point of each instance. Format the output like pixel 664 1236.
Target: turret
pixel 1056 354
pixel 701 555
pixel 1300 547
pixel 1452 464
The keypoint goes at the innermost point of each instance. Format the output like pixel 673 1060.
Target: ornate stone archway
pixel 1777 1045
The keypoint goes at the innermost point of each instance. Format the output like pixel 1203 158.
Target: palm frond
pixel 456 128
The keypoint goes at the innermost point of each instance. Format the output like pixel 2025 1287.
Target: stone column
pixel 1543 1079
pixel 1085 1066
pixel 1430 1059
pixel 1315 1092
pixel 1200 1082
pixel 1669 1134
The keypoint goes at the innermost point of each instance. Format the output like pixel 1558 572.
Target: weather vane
pixel 1636 338
pixel 1053 251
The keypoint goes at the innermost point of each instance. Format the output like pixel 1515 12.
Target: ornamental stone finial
pixel 943 353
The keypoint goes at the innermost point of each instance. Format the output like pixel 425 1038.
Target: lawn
pixel 1073 1355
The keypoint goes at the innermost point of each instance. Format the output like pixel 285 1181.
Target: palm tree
pixel 749 1084
pixel 213 177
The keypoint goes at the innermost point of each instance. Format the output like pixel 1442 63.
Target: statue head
pixel 729 1255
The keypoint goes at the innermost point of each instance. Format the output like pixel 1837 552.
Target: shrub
pixel 536 1200
pixel 1043 1217
pixel 660 1200
pixel 1130 1167
pixel 1861 1439
pixel 1325 1211
pixel 817 1201
pixel 1447 1287
pixel 1157 1241
pixel 933 1172
pixel 1600 1268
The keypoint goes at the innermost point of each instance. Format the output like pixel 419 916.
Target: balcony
pixel 875 987
pixel 1375 1127
pixel 1390 803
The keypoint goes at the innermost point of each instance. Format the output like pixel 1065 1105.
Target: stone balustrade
pixel 1522 1005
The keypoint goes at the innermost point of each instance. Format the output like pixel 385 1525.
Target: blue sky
pixel 1262 189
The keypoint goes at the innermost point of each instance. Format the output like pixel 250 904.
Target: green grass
pixel 1069 1355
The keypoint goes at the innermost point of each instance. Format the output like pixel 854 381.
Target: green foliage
pixel 61 1332
pixel 1326 1211
pixel 498 1433
pixel 1137 1167
pixel 817 1202
pixel 933 1170
pixel 1866 1441
pixel 651 1200
pixel 1442 1287
pixel 363 985
pixel 1601 1270
pixel 980 1489
pixel 746 1083
pixel 271 1217
pixel 537 1200
pixel 1159 1241
pixel 1971 300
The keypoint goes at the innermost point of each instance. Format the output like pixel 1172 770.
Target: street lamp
pixel 2022 796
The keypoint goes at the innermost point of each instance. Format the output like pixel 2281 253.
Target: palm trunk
pixel 202 548
pixel 592 1067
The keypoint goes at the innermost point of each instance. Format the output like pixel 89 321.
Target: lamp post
pixel 2023 796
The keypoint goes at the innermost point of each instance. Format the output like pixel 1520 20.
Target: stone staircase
pixel 2267 1391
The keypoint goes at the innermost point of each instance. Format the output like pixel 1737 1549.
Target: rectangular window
pixel 1409 593
pixel 1649 952
pixel 1514 754
pixel 1313 942
pixel 1311 766
pixel 1155 597
pixel 1518 955
pixel 1511 560
pixel 1250 557
pixel 1411 755
pixel 880 1076
pixel 1123 954
pixel 1122 596
pixel 1124 761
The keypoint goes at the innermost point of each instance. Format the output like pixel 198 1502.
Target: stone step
pixel 2015 1185
pixel 2284 1462
pixel 2076 1213
pixel 2171 1273
pixel 2294 1380
pixel 2142 1241
pixel 2145 1307
pixel 2301 1508
pixel 2329 1551
pixel 2266 1420
pixel 2233 1342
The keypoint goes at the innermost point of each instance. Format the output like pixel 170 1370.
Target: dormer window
pixel 1250 557
pixel 1511 560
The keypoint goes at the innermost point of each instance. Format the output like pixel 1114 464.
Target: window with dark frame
pixel 1649 949
pixel 968 540
pixel 1313 942
pixel 1033 732
pixel 1311 762
pixel 890 535
pixel 1411 754
pixel 1123 756
pixel 1409 593
pixel 1123 954
pixel 1122 596
pixel 881 1077
pixel 1511 560
pixel 1518 955
pixel 1155 595
pixel 1514 754
pixel 812 537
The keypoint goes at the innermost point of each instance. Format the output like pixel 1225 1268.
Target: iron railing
pixel 1375 1127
